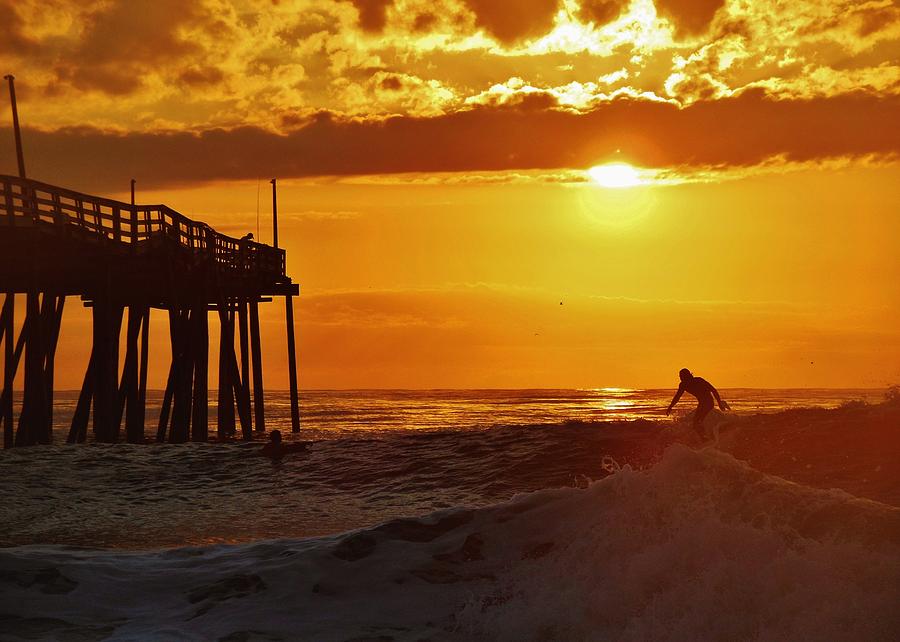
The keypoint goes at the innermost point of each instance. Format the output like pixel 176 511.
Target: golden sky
pixel 436 195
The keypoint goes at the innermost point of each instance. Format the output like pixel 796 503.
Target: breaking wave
pixel 698 546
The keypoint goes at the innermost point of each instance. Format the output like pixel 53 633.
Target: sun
pixel 615 175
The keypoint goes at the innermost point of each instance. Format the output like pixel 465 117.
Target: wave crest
pixel 698 546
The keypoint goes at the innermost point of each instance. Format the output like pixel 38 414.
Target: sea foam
pixel 698 546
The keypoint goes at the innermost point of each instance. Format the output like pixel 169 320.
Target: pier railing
pixel 25 202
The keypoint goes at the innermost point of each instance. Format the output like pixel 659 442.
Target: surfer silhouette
pixel 276 449
pixel 703 391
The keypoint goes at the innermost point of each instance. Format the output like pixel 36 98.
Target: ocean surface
pixel 480 514
pixel 375 455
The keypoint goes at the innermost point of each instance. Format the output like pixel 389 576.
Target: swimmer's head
pixel 685 374
pixel 275 436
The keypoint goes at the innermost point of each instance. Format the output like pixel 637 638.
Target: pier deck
pixel 115 256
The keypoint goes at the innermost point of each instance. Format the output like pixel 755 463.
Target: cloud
pixel 601 12
pixel 372 13
pixel 205 64
pixel 385 92
pixel 738 131
pixel 199 76
pixel 690 17
pixel 512 20
pixel 13 38
pixel 122 41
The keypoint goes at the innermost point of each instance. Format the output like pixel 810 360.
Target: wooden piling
pixel 130 398
pixel 184 368
pixel 127 394
pixel 166 407
pixel 225 418
pixel 33 394
pixel 141 410
pixel 9 369
pixel 107 325
pixel 245 366
pixel 55 324
pixel 78 431
pixel 259 401
pixel 292 363
pixel 200 341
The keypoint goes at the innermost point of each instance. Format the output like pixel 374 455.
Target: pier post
pixel 54 319
pixel 200 340
pixel 245 365
pixel 40 333
pixel 9 369
pixel 129 381
pixel 141 410
pixel 184 370
pixel 259 401
pixel 33 390
pixel 107 325
pixel 78 431
pixel 243 409
pixel 292 362
pixel 165 409
pixel 132 390
pixel 225 420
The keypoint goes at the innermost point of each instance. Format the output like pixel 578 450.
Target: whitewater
pixel 580 530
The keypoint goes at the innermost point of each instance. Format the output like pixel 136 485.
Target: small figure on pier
pixel 244 250
pixel 276 449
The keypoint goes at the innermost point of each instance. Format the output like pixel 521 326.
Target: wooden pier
pixel 123 258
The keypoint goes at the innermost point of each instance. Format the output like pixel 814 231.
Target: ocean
pixel 477 514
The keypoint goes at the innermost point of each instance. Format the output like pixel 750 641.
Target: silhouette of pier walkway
pixel 118 257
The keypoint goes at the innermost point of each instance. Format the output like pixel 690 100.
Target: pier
pixel 122 260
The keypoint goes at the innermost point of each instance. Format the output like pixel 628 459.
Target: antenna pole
pixel 18 134
pixel 274 214
pixel 132 191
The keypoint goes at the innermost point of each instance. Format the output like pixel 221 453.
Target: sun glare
pixel 615 175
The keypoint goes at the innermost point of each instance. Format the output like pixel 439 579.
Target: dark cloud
pixel 690 17
pixel 391 83
pixel 13 38
pixel 424 21
pixel 512 20
pixel 875 19
pixel 201 76
pixel 118 45
pixel 601 12
pixel 125 39
pixel 307 24
pixel 739 131
pixel 372 13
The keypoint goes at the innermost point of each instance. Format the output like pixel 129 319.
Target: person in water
pixel 276 449
pixel 703 391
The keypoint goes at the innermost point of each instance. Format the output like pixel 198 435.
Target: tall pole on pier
pixel 289 314
pixel 274 214
pixel 15 114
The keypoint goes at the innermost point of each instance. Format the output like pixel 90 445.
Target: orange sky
pixel 434 194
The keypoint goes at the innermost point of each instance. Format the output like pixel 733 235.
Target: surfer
pixel 276 449
pixel 703 391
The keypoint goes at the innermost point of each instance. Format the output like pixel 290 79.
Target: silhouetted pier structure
pixel 118 257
